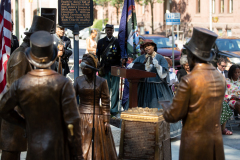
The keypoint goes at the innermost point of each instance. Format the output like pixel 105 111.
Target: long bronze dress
pixel 104 147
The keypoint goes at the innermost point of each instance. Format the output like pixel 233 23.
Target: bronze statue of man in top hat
pixel 13 139
pixel 198 102
pixel 47 100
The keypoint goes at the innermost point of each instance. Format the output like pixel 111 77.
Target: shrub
pixel 97 23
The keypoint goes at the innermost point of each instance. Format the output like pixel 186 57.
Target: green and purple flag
pixel 128 30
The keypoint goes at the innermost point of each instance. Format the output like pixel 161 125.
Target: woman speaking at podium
pixel 155 89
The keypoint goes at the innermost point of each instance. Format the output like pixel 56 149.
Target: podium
pixel 133 76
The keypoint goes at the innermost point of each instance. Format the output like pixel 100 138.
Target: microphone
pixel 83 64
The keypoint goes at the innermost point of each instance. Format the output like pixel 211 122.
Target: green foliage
pixel 146 2
pixel 105 21
pixel 116 3
pixel 101 2
pixel 97 23
pixel 151 2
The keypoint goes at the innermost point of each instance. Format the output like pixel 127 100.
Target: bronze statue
pixel 48 103
pixel 104 147
pixel 198 102
pixel 13 139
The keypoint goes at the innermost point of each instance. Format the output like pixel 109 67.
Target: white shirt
pixel 110 38
pixel 221 72
pixel 173 77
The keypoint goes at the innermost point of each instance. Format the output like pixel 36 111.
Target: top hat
pixel 109 26
pixel 149 41
pixel 41 54
pixel 40 24
pixel 201 43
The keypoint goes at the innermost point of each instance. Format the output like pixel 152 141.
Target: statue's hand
pixel 106 127
pixel 176 86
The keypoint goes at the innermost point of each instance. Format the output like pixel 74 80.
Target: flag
pixel 5 41
pixel 128 30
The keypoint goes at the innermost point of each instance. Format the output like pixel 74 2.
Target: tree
pixel 151 2
pixel 117 4
pixel 102 3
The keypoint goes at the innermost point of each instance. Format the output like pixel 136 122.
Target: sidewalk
pixel 231 144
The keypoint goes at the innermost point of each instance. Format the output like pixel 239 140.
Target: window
pixel 198 6
pixel 221 6
pixel 229 32
pixel 228 44
pixel 35 12
pixel 213 6
pixel 230 4
pixel 220 32
pixel 163 42
pixel 23 17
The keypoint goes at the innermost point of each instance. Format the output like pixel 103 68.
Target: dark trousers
pixel 113 86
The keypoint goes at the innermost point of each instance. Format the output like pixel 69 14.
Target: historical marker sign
pixel 71 12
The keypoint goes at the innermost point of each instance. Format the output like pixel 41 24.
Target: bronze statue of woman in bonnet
pixel 104 148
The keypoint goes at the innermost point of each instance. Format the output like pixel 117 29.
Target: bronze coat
pixel 198 103
pixel 12 136
pixel 48 102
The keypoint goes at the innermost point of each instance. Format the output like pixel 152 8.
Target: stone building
pixel 225 15
pixel 27 9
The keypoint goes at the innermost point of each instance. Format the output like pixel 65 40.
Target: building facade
pixel 26 10
pixel 225 15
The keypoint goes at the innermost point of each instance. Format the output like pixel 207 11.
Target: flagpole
pixel 17 19
pixel 134 43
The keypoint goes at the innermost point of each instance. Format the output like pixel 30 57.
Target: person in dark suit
pixel 221 65
pixel 109 54
pixel 185 68
pixel 14 42
pixel 64 52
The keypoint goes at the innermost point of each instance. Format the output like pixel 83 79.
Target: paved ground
pixel 231 145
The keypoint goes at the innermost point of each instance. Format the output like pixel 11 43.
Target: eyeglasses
pixel 223 66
